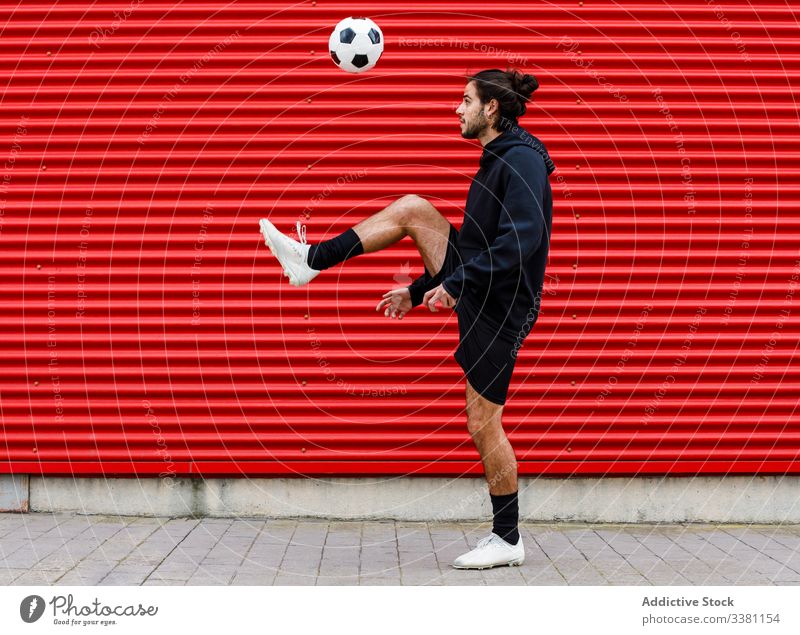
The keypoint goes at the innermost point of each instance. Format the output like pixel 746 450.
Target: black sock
pixel 331 252
pixel 505 508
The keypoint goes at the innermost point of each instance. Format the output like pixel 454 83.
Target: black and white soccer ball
pixel 356 44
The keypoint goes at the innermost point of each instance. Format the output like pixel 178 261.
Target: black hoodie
pixel 505 237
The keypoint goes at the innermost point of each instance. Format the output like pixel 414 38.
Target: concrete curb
pixel 14 492
pixel 728 499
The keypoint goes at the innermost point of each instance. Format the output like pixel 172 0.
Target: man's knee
pixel 412 207
pixel 482 427
pixel 484 418
pixel 476 427
pixel 412 200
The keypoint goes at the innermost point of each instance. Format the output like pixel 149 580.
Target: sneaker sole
pixel 513 563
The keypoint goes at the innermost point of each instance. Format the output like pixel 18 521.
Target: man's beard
pixel 474 130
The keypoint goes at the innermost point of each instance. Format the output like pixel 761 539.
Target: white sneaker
pixel 492 551
pixel 290 253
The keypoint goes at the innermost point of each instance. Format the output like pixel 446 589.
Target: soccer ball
pixel 356 44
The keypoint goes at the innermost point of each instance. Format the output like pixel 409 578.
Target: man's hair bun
pixel 523 84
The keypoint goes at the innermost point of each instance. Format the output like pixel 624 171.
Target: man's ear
pixel 492 108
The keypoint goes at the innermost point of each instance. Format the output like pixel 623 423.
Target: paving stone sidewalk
pixel 73 549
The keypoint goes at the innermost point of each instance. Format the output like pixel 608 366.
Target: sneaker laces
pixel 301 232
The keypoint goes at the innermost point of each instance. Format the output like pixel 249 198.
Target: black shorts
pixel 486 358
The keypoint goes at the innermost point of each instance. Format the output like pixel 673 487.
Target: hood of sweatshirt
pixel 510 137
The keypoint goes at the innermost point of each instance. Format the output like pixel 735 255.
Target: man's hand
pixel 397 303
pixel 438 294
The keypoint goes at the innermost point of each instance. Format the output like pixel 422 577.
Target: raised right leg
pixel 410 215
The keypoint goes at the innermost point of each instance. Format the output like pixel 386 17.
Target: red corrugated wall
pixel 147 329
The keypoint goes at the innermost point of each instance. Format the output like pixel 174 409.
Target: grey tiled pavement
pixel 65 548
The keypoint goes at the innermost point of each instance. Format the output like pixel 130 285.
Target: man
pixel 491 272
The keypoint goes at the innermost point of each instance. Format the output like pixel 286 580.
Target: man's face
pixel 471 113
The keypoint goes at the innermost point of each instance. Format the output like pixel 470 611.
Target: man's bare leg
pixel 410 215
pixel 413 216
pixel 484 421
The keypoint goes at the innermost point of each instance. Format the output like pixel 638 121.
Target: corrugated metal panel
pixel 148 330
